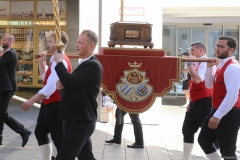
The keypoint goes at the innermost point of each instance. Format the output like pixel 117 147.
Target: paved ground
pixel 162 142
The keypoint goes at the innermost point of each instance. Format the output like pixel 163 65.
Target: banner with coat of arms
pixel 134 85
pixel 135 77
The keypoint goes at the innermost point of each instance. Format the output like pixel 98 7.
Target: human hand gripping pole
pixel 210 61
pixel 191 59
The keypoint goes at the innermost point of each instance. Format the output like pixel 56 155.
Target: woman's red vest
pixel 55 97
pixel 219 88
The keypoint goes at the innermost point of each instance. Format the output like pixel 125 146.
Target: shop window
pixel 169 40
pixel 184 40
pixel 234 32
pixel 198 34
pixel 214 33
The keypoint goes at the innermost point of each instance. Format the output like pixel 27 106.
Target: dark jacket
pixel 8 68
pixel 81 88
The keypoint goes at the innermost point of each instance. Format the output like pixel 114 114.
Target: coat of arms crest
pixel 134 85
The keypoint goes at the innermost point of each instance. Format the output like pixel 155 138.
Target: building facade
pixel 176 24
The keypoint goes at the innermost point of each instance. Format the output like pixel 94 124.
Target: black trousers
pixel 48 122
pixel 226 134
pixel 137 127
pixel 5 117
pixel 185 85
pixel 194 118
pixel 77 141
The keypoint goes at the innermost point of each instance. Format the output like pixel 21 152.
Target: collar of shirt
pixel 223 61
pixel 85 59
pixel 51 59
pixel 8 49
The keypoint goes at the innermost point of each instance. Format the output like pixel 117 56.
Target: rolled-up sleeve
pixel 209 77
pixel 202 70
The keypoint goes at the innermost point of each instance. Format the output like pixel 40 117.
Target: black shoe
pixel 25 136
pixel 135 145
pixel 1 137
pixel 113 141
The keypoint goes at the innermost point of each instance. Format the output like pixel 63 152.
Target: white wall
pixel 89 15
pixel 202 3
pixel 149 11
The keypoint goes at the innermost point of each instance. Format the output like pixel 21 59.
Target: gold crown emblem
pixel 135 65
pixel 134 77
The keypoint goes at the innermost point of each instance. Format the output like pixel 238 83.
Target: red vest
pixel 55 97
pixel 199 91
pixel 220 91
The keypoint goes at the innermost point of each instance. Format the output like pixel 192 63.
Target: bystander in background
pixel 185 78
pixel 110 106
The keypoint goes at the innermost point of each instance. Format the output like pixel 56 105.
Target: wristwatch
pixel 190 63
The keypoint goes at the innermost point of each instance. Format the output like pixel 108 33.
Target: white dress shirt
pixel 50 87
pixel 232 83
pixel 8 49
pixel 201 69
pixel 85 59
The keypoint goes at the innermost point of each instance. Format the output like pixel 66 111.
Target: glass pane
pixel 42 45
pixel 234 33
pixel 184 42
pixel 169 40
pixel 2 31
pixel 198 34
pixel 214 33
pixel 24 48
pixel 42 40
